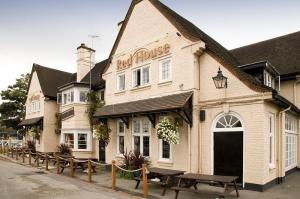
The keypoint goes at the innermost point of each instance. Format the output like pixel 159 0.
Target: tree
pixel 12 109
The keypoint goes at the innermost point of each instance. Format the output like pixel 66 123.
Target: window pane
pixel 121 144
pixel 146 126
pixel 65 98
pixel 166 149
pixel 121 82
pixel 82 141
pixel 136 126
pixel 102 95
pixel 165 70
pixel 82 96
pixel 146 145
pixel 69 140
pixel 121 127
pixel 137 144
pixel 146 75
pixel 72 96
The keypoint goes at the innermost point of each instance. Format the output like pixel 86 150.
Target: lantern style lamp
pixel 220 80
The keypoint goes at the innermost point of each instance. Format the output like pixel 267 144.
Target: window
pixel 82 96
pixel 69 140
pixel 59 98
pixel 82 141
pixel 291 137
pixel 77 140
pixel 102 95
pixel 120 134
pixel 121 82
pixel 65 99
pixel 271 132
pixel 165 70
pixel 269 80
pixel 165 150
pixel 141 136
pixel 68 97
pixel 34 107
pixel 141 76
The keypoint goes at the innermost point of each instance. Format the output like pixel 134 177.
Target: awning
pixel 177 103
pixel 32 121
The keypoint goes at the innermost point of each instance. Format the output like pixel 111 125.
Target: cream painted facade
pixel 192 70
pixel 47 109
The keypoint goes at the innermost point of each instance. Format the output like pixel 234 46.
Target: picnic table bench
pixel 165 177
pixel 189 180
pixel 82 163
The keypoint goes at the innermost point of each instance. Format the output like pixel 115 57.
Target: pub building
pixel 237 110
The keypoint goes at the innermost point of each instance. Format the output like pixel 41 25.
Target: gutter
pixel 280 100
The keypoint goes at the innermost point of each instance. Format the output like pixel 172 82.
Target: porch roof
pixel 32 121
pixel 178 103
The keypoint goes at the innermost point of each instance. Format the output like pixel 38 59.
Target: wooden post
pixel 89 170
pixel 145 181
pixel 46 162
pixel 37 160
pixel 1 149
pixel 113 174
pixel 23 156
pixel 72 167
pixel 12 152
pixel 17 154
pixel 57 164
pixel 29 159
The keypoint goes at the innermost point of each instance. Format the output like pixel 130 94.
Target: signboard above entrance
pixel 143 55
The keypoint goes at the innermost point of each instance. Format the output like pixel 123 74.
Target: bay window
pixel 141 76
pixel 291 137
pixel 141 136
pixel 120 137
pixel 271 132
pixel 77 140
pixel 165 70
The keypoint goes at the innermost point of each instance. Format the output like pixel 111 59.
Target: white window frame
pixel 34 106
pixel 161 62
pixel 272 138
pixel 142 80
pixel 291 135
pixel 269 80
pixel 69 96
pixel 141 134
pixel 161 158
pixel 118 82
pixel 75 133
pixel 119 134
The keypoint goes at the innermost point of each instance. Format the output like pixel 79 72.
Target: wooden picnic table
pixel 189 180
pixel 82 163
pixel 165 176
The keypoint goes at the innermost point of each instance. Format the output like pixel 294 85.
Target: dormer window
pixel 269 80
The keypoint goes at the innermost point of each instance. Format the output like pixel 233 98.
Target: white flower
pixel 168 131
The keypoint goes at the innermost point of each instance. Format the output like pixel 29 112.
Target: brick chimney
pixel 85 61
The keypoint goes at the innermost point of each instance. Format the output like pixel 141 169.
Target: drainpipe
pixel 190 149
pixel 280 145
pixel 295 91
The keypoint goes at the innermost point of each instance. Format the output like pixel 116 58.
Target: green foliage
pixel 102 133
pixel 94 103
pixel 58 123
pixel 12 110
pixel 64 149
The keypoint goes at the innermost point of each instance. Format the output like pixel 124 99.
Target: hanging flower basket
pixel 101 132
pixel 167 130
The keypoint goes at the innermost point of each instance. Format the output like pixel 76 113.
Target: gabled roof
pixel 50 79
pixel 282 52
pixel 193 33
pixel 97 71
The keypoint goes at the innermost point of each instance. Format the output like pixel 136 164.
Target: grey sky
pixel 47 32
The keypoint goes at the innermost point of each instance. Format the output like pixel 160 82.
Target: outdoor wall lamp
pixel 220 80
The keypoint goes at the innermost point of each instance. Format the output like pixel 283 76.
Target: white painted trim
pixel 140 119
pixel 160 80
pixel 165 160
pixel 120 134
pixel 242 129
pixel 76 132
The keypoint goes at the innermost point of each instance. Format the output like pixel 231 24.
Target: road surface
pixel 22 182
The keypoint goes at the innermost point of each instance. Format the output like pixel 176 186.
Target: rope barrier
pixel 100 164
pixel 80 161
pixel 129 171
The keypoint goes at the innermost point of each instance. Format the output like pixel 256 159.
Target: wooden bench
pixel 205 192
